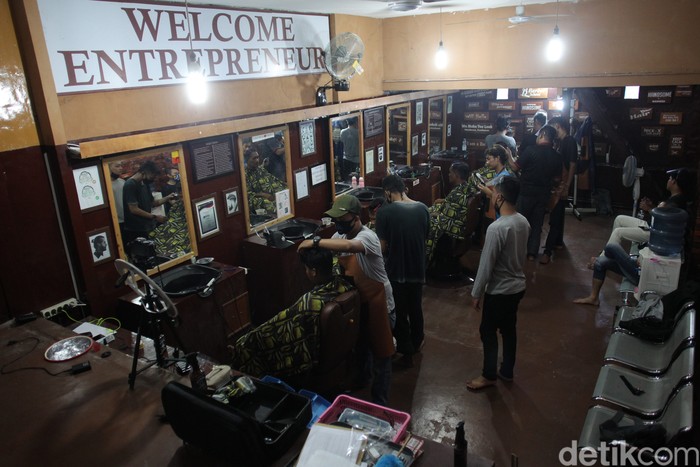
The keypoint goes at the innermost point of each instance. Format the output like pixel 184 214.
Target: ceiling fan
pixel 521 18
pixel 410 5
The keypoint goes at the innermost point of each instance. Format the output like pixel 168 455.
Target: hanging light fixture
pixel 196 82
pixel 441 57
pixel 555 47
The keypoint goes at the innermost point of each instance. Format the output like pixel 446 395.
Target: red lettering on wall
pixel 234 56
pixel 146 22
pixel 143 66
pixel 248 23
pixel 214 57
pixel 104 59
pixel 72 66
pixel 168 58
pixel 215 26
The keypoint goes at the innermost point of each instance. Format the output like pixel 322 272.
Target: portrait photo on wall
pixel 232 198
pixel 100 245
pixel 207 219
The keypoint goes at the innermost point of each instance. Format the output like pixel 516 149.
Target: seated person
pixel 615 259
pixel 288 343
pixel 447 215
pixel 679 184
pixel 261 185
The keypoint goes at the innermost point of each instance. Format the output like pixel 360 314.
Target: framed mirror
pixel 148 197
pixel 346 151
pixel 398 140
pixel 266 177
pixel 436 129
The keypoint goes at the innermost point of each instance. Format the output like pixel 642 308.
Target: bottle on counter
pixel 197 377
pixel 361 182
pixel 460 446
pixel 353 182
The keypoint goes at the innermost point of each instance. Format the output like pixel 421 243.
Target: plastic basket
pixel 398 420
pixel 318 405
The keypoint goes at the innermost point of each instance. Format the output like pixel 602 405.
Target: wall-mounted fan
pixel 630 178
pixel 341 57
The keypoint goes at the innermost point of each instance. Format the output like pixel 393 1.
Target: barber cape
pixel 288 343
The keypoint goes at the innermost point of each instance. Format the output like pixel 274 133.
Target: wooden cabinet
pixel 205 324
pixel 425 189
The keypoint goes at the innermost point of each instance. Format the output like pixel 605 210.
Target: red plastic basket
pixel 398 420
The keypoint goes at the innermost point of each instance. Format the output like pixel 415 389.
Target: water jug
pixel 667 234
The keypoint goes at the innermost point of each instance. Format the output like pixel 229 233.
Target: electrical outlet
pixel 60 307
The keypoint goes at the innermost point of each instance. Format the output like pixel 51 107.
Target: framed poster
pixel 100 245
pixel 449 105
pixel 207 219
pixel 449 129
pixel 380 153
pixel 88 185
pixel 232 198
pixel 419 112
pixel 373 122
pixel 212 157
pixel 423 138
pixel 301 181
pixel 307 137
pixel 369 161
pixel 414 145
pixel 319 174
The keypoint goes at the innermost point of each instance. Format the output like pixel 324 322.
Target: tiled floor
pixel 560 351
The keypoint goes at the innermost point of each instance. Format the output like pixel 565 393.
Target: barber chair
pixel 339 327
pixel 446 265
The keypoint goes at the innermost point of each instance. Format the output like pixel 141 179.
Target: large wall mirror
pixel 267 177
pixel 436 130
pixel 398 140
pixel 346 151
pixel 136 185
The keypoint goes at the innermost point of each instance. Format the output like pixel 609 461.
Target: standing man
pixel 361 258
pixel 402 227
pixel 540 168
pixel 500 283
pixel 530 139
pixel 350 138
pixel 138 202
pixel 568 150
pixel 502 125
pixel 116 170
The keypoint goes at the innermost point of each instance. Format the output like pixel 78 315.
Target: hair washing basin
pixel 295 229
pixel 191 278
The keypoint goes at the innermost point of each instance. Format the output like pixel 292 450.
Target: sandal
pixel 480 383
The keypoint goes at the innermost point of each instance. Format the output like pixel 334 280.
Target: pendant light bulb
pixel 441 57
pixel 555 47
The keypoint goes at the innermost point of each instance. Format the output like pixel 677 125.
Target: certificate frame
pixel 206 216
pixel 301 183
pixel 307 138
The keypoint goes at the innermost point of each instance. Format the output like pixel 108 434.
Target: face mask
pixel 176 177
pixel 344 227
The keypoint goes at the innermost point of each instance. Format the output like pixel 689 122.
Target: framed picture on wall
pixel 232 201
pixel 369 161
pixel 207 218
pixel 419 113
pixel 449 105
pixel 380 153
pixel 319 174
pixel 100 245
pixel 301 181
pixel 307 136
pixel 423 138
pixel 88 185
pixel 373 122
pixel 414 145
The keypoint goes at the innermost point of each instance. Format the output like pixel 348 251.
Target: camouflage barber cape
pixel 288 343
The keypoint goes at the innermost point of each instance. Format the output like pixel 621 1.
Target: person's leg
pixel 415 314
pixel 526 206
pixel 381 380
pixel 402 329
pixel 489 338
pixel 624 264
pixel 508 314
pixel 536 220
pixel 601 266
pixel 556 227
pixel 628 228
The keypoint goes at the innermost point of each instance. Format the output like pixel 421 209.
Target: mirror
pixel 169 224
pixel 436 130
pixel 398 123
pixel 266 167
pixel 346 152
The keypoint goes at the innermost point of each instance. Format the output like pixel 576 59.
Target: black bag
pixel 649 328
pixel 651 435
pixel 252 432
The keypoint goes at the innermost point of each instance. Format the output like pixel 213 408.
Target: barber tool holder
pixel 250 430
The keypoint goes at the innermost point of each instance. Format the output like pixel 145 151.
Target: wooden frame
pixel 319 174
pixel 419 113
pixel 340 179
pixel 208 157
pixel 369 160
pixel 89 187
pixel 414 145
pixel 232 201
pixel 100 243
pixel 301 183
pixel 373 122
pixel 206 215
pixel 307 138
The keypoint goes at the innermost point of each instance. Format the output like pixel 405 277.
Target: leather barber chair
pixel 449 250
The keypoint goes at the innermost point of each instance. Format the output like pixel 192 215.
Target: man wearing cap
pixel 360 255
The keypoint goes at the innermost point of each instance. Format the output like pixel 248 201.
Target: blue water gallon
pixel 667 235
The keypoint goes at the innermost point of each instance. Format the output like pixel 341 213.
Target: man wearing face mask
pixel 360 255
pixel 500 283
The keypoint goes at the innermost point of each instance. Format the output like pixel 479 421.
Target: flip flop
pixel 480 383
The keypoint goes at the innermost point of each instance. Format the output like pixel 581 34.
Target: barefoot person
pixel 501 281
pixel 615 259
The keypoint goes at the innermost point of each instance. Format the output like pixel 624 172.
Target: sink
pixel 191 278
pixel 367 194
pixel 295 229
pixel 449 154
pixel 341 187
